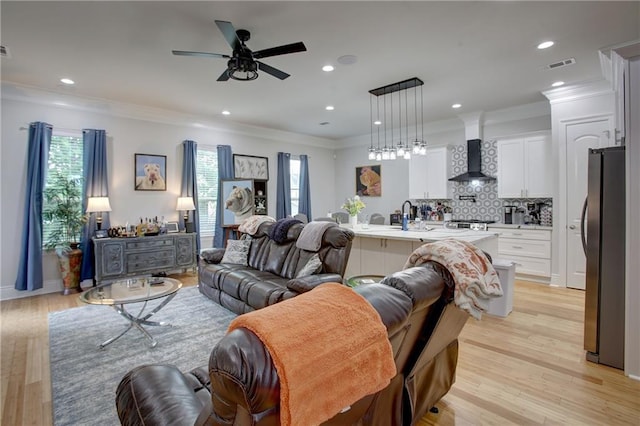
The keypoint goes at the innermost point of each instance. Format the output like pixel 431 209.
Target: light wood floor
pixel 528 368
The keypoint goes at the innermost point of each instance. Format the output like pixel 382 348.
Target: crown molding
pixel 60 99
pixel 578 91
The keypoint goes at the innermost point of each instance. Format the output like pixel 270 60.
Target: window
pixel 207 180
pixel 294 169
pixel 65 160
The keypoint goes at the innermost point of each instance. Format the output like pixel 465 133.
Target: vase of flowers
pixel 353 206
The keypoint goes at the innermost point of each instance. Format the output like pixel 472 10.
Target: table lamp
pixel 98 205
pixel 186 204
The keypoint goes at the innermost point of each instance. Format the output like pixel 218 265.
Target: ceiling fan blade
pixel 280 50
pixel 229 33
pixel 273 71
pixel 203 54
pixel 224 76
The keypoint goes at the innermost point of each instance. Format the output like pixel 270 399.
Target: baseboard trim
pixel 48 287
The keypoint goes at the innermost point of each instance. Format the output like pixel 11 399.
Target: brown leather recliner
pixel 270 275
pixel 241 386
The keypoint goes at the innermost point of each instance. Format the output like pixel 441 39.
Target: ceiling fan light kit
pixel 243 64
pixel 397 150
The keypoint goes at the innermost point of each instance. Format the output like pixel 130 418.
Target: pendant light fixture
pixel 400 149
pixel 372 150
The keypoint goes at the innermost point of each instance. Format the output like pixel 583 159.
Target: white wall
pixel 127 136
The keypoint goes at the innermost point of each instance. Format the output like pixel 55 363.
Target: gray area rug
pixel 84 378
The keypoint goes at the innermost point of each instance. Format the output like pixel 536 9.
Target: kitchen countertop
pixel 431 234
pixel 434 223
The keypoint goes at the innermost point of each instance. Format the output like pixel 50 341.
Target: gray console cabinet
pixel 121 257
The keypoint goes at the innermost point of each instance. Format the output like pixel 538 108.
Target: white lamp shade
pixel 185 203
pixel 98 204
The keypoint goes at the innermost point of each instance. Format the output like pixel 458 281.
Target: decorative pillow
pixel 237 252
pixel 313 266
pixel 212 255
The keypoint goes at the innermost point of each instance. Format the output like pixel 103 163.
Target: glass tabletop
pixel 131 290
pixel 364 279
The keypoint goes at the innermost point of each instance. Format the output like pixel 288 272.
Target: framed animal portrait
pixel 238 201
pixel 250 167
pixel 369 181
pixel 150 172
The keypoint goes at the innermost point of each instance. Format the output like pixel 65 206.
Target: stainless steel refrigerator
pixel 604 244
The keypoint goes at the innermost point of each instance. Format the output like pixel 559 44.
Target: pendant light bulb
pixel 372 153
pixel 416 147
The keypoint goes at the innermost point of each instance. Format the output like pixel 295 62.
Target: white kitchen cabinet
pixel 529 249
pixel 525 167
pixel 429 175
pixel 378 256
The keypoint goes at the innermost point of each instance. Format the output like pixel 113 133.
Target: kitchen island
pixel 383 249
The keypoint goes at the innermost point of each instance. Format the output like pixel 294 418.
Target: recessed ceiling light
pixel 327 68
pixel 377 122
pixel 456 106
pixel 329 108
pixel 557 84
pixel 225 112
pixel 67 81
pixel 545 45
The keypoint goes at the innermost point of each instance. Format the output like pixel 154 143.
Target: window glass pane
pixel 207 176
pixel 65 161
pixel 294 169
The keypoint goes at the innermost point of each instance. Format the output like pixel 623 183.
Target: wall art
pixel 369 181
pixel 150 172
pixel 250 167
pixel 238 199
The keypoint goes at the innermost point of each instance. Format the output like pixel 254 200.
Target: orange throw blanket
pixel 330 349
pixel 475 279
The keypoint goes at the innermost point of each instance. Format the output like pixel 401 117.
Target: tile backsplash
pixel 487 205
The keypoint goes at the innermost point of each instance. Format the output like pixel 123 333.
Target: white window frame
pixel 203 199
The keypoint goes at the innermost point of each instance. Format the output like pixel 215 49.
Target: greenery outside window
pixel 65 164
pixel 207 180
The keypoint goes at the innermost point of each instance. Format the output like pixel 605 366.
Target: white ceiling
pixel 480 54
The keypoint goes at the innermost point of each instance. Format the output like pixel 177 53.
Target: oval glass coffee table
pixel 118 294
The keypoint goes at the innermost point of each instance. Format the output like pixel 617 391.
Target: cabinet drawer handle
pixel 517 233
pixel 516 247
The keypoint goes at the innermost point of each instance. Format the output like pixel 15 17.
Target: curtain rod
pixel 61 129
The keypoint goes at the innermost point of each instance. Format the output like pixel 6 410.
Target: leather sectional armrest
pixel 304 284
pixel 212 255
pixel 157 395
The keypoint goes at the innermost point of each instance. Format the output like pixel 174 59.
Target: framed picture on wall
pixel 150 172
pixel 250 167
pixel 369 181
pixel 239 201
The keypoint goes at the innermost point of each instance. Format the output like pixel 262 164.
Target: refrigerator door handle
pixel 583 234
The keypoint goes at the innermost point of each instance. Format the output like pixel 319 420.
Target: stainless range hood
pixel 474 164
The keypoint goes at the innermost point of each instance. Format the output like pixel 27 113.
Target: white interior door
pixel 580 137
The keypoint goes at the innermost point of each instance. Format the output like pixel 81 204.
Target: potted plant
pixel 353 206
pixel 63 215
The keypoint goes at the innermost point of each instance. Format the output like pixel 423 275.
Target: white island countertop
pixel 428 235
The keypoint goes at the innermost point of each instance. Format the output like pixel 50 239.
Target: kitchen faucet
pixel 410 207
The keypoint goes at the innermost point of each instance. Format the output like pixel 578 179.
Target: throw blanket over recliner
pixel 241 385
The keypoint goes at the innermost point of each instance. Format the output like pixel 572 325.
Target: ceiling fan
pixel 243 64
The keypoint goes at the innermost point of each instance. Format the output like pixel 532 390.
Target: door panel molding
pixel 562 219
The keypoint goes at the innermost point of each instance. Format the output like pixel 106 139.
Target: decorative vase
pixel 353 221
pixel 70 262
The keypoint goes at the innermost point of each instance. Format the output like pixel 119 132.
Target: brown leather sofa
pixel 241 386
pixel 272 267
